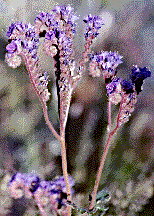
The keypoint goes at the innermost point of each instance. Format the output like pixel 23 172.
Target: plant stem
pixel 101 167
pixel 48 122
pixel 63 153
pixel 111 134
pixel 45 111
pixel 41 209
pixel 109 115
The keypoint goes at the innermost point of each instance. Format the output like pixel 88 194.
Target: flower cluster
pixel 104 63
pixel 22 37
pixel 93 24
pixel 58 33
pixel 118 91
pixel 137 77
pixel 25 42
pixel 114 90
pixel 126 92
pixel 31 185
pixel 57 29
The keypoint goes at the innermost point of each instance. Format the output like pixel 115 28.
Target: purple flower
pixel 16 185
pixel 107 60
pixel 93 21
pixel 110 60
pixel 32 182
pixel 49 21
pixel 31 46
pixel 43 80
pixel 57 9
pixel 56 190
pixel 41 16
pixel 60 190
pixel 139 73
pixel 46 18
pixel 65 62
pixel 137 77
pixel 71 20
pixel 127 86
pixel 12 47
pixel 50 35
pixel 66 12
pixel 31 186
pixel 60 181
pixel 19 26
pixel 112 87
pixel 114 91
pixel 93 24
pixel 10 31
pixel 66 9
pixel 65 42
pixel 28 44
pixel 45 185
pixel 17 177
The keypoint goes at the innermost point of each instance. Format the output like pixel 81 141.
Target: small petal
pixel 139 73
pixel 137 77
pixel 93 24
pixel 10 31
pixel 12 47
pixel 112 87
pixel 127 86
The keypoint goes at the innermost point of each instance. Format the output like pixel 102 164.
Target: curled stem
pixel 45 111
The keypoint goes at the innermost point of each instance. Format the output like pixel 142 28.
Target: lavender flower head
pixel 27 183
pixel 127 86
pixel 93 24
pixel 130 89
pixel 137 77
pixel 23 42
pixel 66 12
pixel 114 90
pixel 106 62
pixel 12 47
pixel 32 182
pixel 30 185
pixel 136 80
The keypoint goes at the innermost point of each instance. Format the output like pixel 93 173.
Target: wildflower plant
pixel 57 28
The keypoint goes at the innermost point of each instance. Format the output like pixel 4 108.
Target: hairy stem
pixel 45 111
pixel 111 134
pixel 106 149
pixel 109 115
pixel 63 153
pixel 49 123
pixel 43 213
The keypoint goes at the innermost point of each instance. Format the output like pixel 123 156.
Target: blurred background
pixel 26 143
